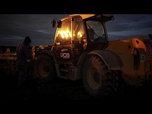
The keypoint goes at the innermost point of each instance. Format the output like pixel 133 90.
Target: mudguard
pixel 110 58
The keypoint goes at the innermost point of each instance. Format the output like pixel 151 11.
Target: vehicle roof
pixel 85 16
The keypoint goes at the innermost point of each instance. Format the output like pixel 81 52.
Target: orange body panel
pixel 123 48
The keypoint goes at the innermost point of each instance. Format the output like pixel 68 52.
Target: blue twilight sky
pixel 14 27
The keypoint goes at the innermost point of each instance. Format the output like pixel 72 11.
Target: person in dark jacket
pixel 24 54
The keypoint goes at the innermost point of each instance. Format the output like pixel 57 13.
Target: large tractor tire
pixel 98 80
pixel 45 67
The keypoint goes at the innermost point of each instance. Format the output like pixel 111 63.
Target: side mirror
pixel 54 23
pixel 150 36
pixel 59 23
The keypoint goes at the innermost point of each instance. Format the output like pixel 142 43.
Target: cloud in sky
pixel 14 27
pixel 130 25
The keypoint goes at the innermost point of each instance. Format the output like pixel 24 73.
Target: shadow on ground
pixel 59 89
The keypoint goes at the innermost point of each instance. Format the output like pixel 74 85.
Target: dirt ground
pixel 59 89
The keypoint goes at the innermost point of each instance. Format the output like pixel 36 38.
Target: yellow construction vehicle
pixel 81 50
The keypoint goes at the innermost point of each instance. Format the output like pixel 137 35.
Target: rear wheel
pixel 98 80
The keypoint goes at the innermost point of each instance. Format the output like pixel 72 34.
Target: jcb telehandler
pixel 81 50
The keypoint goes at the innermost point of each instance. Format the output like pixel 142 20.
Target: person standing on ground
pixel 23 52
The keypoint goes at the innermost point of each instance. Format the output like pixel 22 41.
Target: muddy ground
pixel 59 89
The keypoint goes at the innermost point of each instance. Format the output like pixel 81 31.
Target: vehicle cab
pixel 78 33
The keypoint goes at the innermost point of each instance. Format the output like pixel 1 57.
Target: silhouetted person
pixel 24 54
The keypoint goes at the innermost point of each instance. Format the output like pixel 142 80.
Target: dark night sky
pixel 14 27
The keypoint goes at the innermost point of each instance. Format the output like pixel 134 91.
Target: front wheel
pixel 98 80
pixel 45 67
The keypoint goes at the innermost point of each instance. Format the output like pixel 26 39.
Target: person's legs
pixel 21 80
